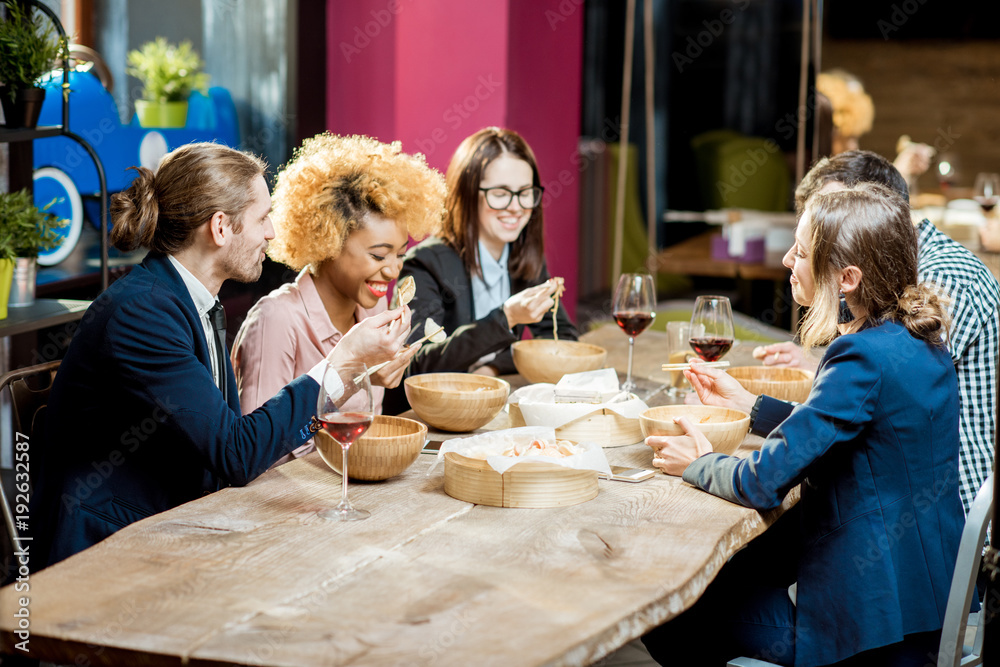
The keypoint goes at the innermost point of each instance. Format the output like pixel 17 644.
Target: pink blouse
pixel 284 335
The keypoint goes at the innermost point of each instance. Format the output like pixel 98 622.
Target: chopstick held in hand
pixel 686 365
pixel 378 367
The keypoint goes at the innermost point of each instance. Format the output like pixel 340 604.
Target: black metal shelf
pixel 20 134
pixel 9 135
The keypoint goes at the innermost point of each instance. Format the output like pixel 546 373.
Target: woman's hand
pixel 674 453
pixel 716 387
pixel 530 305
pixel 375 339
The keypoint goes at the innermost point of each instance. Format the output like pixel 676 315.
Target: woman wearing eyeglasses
pixel 484 277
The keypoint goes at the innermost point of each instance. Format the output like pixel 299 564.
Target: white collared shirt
pixel 203 302
pixel 489 291
pixel 492 289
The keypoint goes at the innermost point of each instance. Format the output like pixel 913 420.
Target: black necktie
pixel 217 316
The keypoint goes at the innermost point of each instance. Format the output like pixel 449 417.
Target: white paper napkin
pixel 493 444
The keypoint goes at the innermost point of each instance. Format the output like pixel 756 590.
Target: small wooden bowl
pixel 786 384
pixel 540 360
pixel 385 450
pixel 725 430
pixel 456 401
pixel 528 484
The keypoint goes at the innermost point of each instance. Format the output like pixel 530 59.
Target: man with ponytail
pixel 144 414
pixel 861 567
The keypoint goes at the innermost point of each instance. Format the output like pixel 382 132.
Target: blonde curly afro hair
pixel 853 109
pixel 330 185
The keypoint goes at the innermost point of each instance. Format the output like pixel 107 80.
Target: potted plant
pixel 25 230
pixel 29 47
pixel 168 74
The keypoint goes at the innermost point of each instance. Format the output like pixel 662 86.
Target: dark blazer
pixel 135 423
pixel 875 448
pixel 444 293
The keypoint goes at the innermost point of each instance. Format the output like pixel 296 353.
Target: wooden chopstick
pixel 685 366
pixel 378 367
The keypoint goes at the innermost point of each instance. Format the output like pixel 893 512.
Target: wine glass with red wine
pixel 634 308
pixel 987 191
pixel 712 318
pixel 345 409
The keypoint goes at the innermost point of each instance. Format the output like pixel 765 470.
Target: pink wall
pixel 361 54
pixel 432 73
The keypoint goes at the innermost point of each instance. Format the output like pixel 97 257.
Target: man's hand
pixel 785 355
pixel 391 374
pixel 674 453
pixel 375 339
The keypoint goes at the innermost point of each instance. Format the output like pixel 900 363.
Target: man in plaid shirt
pixel 975 296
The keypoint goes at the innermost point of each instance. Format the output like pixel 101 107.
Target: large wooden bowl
pixel 456 401
pixel 528 484
pixel 540 360
pixel 386 449
pixel 786 384
pixel 724 428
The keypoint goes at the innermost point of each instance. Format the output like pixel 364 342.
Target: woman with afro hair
pixel 344 208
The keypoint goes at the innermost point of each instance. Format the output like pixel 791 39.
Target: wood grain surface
pixel 253 576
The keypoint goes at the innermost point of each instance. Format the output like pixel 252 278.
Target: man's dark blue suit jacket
pixel 135 423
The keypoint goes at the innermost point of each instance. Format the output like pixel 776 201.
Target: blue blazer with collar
pixel 875 448
pixel 135 423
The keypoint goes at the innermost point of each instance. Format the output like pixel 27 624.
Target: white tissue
pixel 493 444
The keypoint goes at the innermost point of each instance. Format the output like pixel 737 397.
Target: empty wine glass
pixel 712 321
pixel 345 410
pixel 633 307
pixel 987 191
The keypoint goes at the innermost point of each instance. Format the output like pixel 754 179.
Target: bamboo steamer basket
pixel 786 384
pixel 456 401
pixel 605 427
pixel 541 360
pixel 725 431
pixel 385 450
pixel 527 484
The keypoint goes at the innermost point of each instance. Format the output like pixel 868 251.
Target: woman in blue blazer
pixel 862 565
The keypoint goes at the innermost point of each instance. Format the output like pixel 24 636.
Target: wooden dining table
pixel 253 575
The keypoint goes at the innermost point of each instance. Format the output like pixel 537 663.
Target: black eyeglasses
pixel 499 198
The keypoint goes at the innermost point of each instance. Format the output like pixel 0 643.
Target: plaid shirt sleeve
pixel 973 341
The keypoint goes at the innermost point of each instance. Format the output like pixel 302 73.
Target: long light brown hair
pixel 161 211
pixel 868 226
pixel 461 222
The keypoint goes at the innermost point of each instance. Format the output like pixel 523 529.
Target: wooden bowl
pixel 456 401
pixel 528 484
pixel 786 384
pixel 540 360
pixel 725 428
pixel 386 449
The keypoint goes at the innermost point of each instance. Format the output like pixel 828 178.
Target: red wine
pixel 710 349
pixel 986 203
pixel 346 427
pixel 633 322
